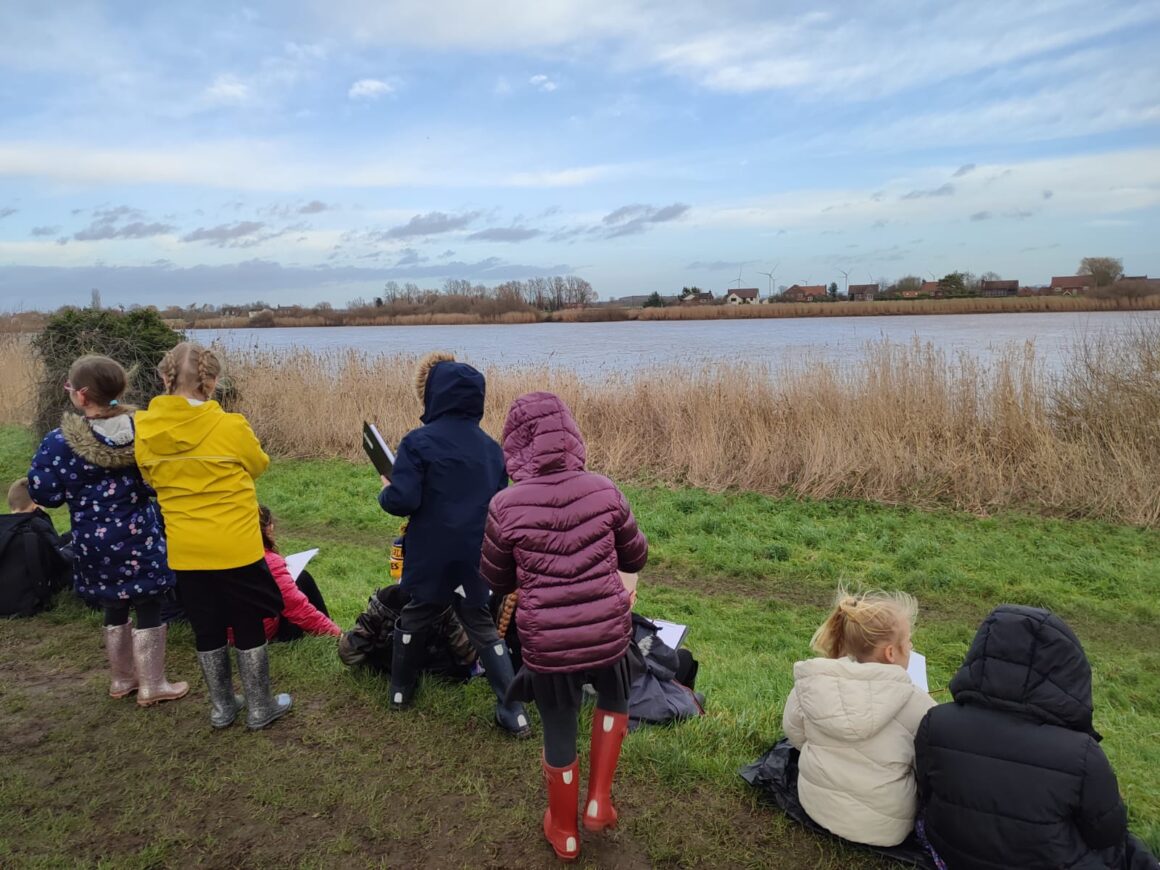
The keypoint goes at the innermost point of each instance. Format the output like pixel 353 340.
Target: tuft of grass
pixel 342 781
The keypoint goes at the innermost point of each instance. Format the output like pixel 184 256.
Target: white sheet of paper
pixel 670 633
pixel 297 561
pixel 917 670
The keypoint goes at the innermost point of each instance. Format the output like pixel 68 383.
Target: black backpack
pixel 31 565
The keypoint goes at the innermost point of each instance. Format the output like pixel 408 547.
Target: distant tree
pixel 833 290
pixel 687 292
pixel 953 284
pixel 378 302
pixel 654 301
pixel 1105 270
pixel 907 282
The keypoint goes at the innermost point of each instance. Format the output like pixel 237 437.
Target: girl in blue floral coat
pixel 119 544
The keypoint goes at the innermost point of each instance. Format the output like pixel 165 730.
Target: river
pixel 595 348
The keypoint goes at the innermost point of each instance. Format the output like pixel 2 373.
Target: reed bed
pixel 907 425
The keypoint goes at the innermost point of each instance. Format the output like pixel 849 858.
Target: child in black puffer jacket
pixel 1012 774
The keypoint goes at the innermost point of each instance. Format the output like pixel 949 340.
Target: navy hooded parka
pixel 445 475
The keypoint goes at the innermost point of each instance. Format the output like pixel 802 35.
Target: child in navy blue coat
pixel 444 477
pixel 119 550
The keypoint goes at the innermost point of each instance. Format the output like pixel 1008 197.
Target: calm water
pixel 595 348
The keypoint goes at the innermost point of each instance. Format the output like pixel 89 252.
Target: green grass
pixel 342 781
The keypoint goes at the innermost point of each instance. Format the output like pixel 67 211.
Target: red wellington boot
pixel 560 817
pixel 608 730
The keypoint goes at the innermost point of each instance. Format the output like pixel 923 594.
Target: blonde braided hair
pixel 506 612
pixel 191 367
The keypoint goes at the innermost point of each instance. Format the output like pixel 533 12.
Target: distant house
pixel 862 292
pixel 742 296
pixel 807 293
pixel 1071 285
pixel 999 288
pixel 697 298
pixel 933 289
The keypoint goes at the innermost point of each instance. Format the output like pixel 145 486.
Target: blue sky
pixel 306 151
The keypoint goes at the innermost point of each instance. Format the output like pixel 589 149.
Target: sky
pixel 302 151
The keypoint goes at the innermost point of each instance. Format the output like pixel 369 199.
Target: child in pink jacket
pixel 303 609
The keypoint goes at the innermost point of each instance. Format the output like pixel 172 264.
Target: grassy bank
pixel 343 783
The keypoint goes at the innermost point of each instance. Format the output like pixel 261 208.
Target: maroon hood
pixel 541 437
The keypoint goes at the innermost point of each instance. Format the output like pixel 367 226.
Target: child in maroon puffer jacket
pixel 561 536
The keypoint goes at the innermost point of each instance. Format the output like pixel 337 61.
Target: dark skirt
pixel 564 690
pixel 248 592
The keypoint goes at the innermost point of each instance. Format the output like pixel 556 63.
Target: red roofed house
pixel 999 288
pixel 742 296
pixel 862 292
pixel 933 289
pixel 1070 285
pixel 808 293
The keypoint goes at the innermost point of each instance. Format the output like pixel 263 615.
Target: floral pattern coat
pixel 118 539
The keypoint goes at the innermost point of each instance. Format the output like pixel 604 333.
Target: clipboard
pixel 376 448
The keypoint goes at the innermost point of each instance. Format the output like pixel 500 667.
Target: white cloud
pixel 227 90
pixel 261 165
pixel 370 89
pixel 1096 184
pixel 542 83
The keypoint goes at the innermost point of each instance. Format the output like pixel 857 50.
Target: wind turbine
pixel 770 275
pixel 846 275
pixel 738 281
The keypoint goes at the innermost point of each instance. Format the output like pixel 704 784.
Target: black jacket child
pixel 1011 774
pixel 445 474
pixel 35 562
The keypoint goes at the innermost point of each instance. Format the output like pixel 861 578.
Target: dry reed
pixel 907 425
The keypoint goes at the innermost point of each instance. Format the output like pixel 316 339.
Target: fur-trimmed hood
pixel 106 442
pixel 423 372
pixel 449 388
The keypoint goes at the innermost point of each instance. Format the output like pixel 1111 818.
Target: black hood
pixel 1027 661
pixel 453 389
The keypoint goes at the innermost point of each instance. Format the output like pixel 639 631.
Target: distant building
pixel 862 292
pixel 1071 285
pixel 807 293
pixel 742 296
pixel 933 289
pixel 697 298
pixel 999 288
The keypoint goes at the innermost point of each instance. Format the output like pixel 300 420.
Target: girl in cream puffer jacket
pixel 853 715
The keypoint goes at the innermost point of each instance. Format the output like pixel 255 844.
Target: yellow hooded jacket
pixel 202 462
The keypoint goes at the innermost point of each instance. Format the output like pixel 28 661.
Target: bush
pixel 137 340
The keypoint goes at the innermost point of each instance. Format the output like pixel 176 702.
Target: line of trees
pixel 543 294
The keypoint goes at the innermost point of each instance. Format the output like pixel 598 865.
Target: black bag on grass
pixel 775 775
pixel 32 567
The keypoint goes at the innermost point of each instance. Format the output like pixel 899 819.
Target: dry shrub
pixel 906 425
pixel 19 383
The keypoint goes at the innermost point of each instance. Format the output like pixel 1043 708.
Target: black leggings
pixel 148 612
pixel 288 631
pixel 561 725
pixel 237 598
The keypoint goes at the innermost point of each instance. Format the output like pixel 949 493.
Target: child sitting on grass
pixel 853 715
pixel 1012 774
pixel 35 562
pixel 559 535
pixel 303 608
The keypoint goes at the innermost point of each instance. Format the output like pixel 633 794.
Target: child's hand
pixel 386 480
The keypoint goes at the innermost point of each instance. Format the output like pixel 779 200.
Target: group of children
pixel 1010 775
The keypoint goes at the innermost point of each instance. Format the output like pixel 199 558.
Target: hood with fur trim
pixel 105 442
pixel 423 372
pixel 450 389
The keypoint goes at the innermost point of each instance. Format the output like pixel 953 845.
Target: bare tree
pixel 1105 270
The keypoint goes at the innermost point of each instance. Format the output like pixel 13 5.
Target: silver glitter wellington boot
pixel 149 656
pixel 224 704
pixel 261 707
pixel 119 647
